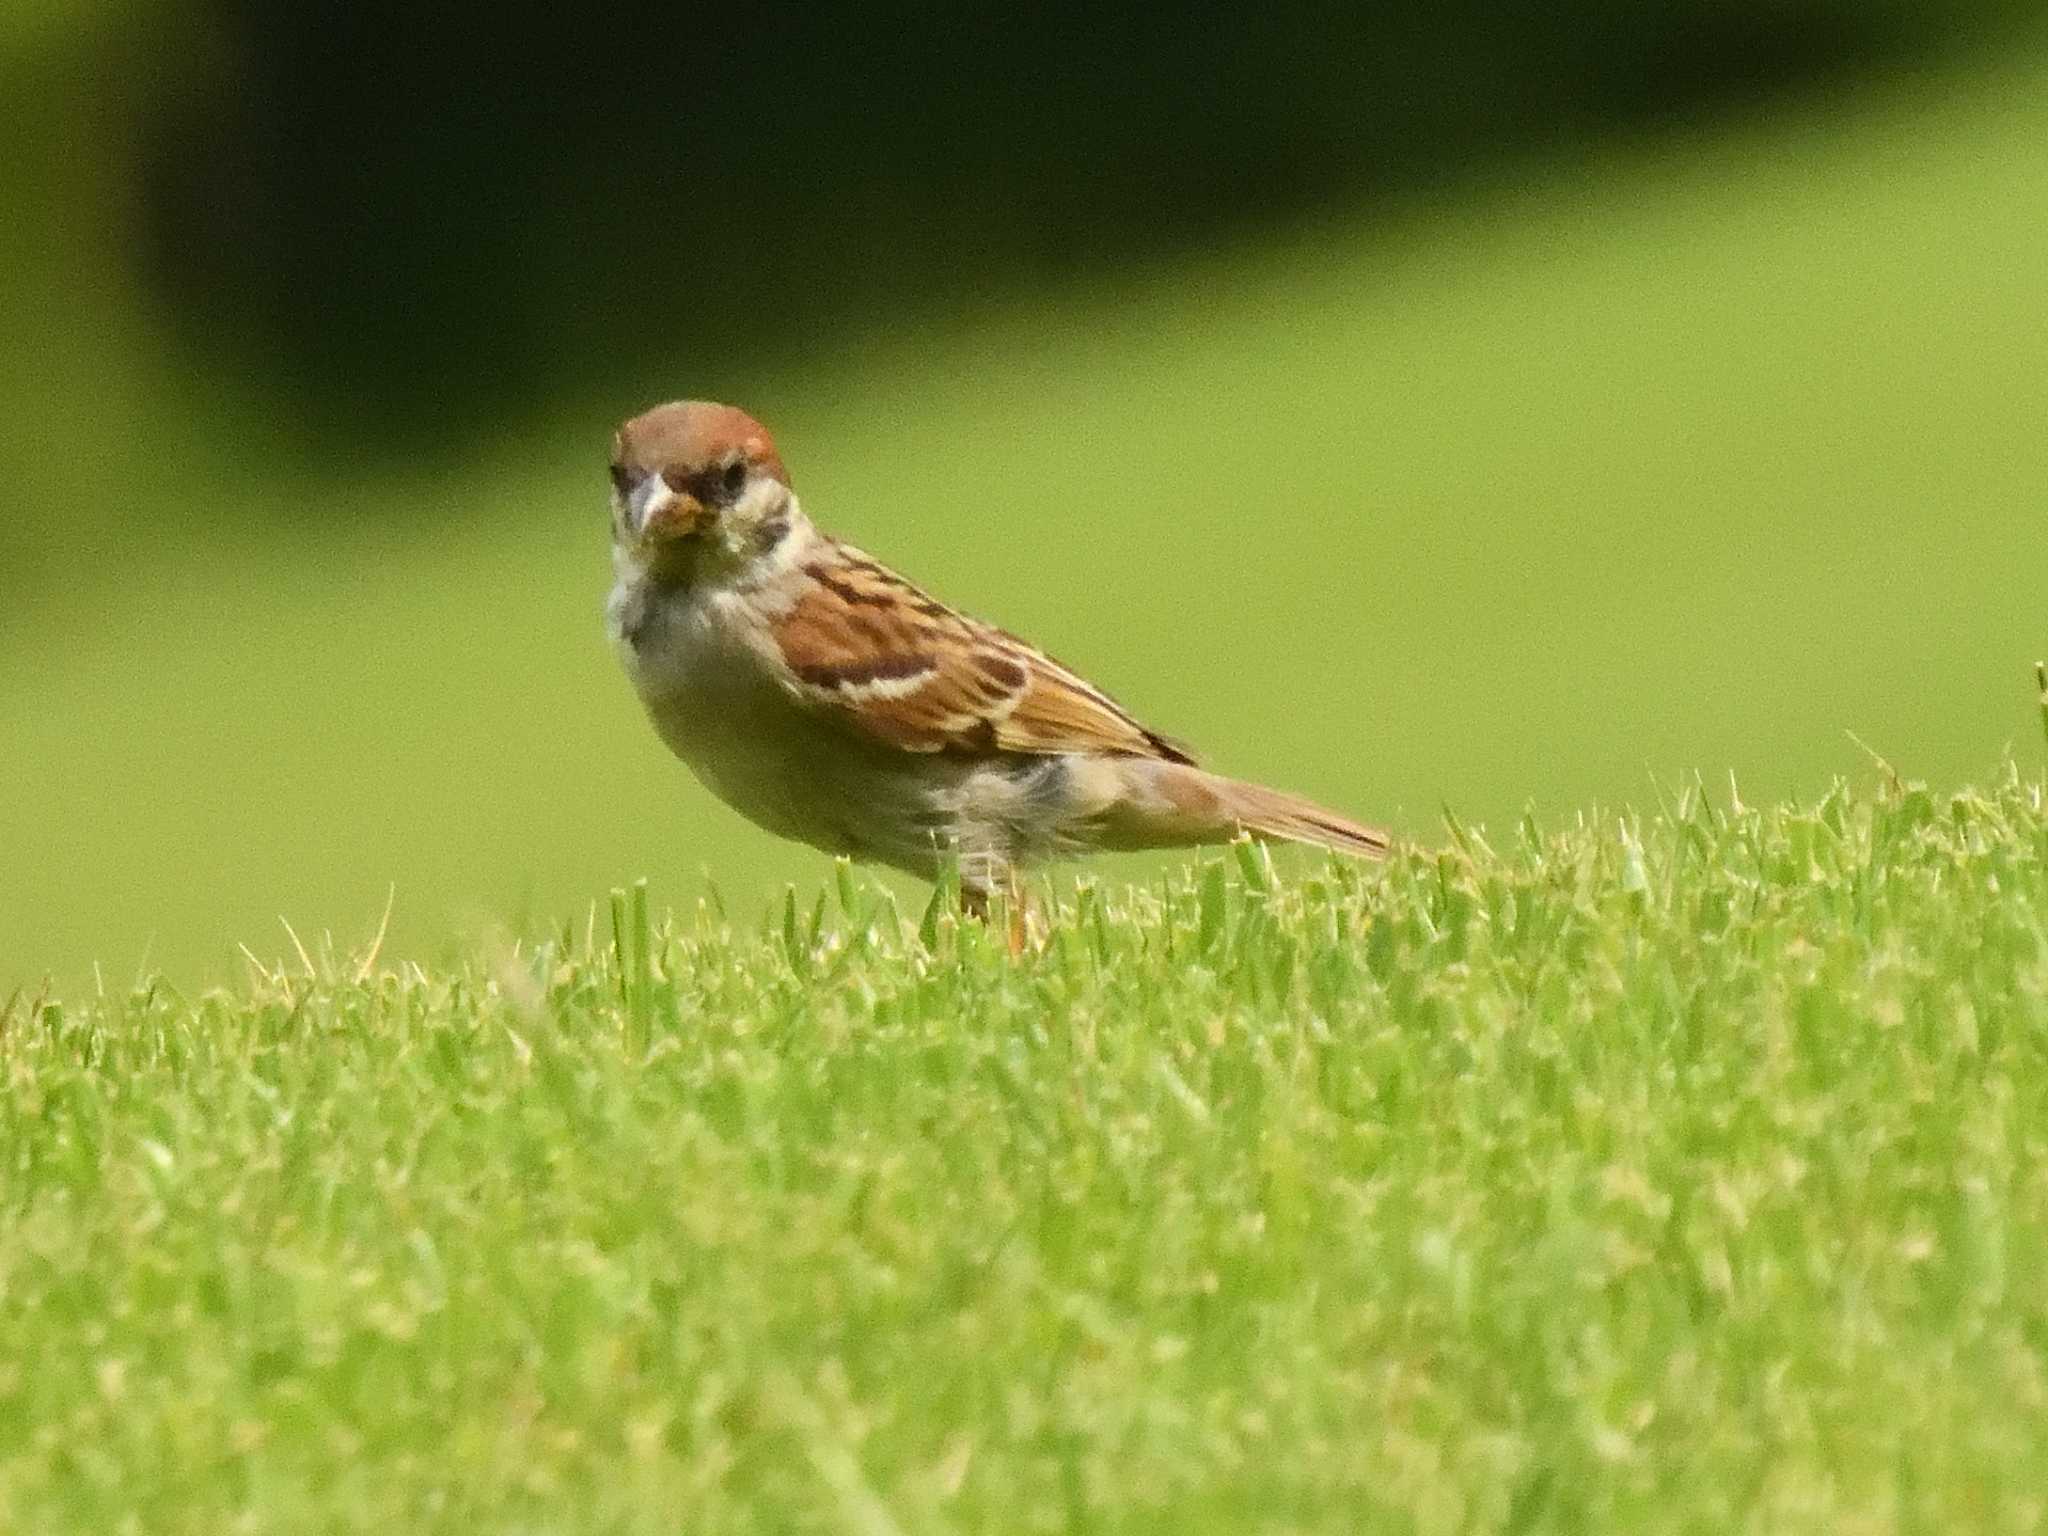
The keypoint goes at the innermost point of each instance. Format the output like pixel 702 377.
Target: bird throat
pixel 709 557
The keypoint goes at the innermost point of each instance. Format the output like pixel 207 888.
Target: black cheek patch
pixel 770 534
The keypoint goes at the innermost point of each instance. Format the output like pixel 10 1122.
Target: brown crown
pixel 687 437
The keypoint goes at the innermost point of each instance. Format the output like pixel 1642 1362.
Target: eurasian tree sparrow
pixel 827 699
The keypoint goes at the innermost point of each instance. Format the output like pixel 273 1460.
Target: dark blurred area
pixel 408 216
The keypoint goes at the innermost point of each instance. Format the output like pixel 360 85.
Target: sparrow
pixel 829 700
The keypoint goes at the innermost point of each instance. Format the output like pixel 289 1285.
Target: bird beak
pixel 656 512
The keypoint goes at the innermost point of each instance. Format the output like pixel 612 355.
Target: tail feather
pixel 1267 812
pixel 1166 804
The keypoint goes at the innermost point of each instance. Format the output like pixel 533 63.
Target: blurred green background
pixel 1473 405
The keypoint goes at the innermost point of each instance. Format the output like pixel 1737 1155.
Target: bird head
pixel 695 487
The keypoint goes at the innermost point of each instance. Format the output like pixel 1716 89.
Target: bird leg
pixel 976 902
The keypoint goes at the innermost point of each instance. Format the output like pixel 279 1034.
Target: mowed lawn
pixel 1672 1173
pixel 1691 457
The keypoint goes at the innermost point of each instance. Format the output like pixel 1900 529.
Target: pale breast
pixel 789 769
pixel 720 710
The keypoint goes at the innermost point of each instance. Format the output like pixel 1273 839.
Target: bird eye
pixel 734 480
pixel 621 481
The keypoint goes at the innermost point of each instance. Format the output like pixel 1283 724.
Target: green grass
pixel 1674 1172
pixel 1693 456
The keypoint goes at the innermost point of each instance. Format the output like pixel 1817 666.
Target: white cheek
pixel 762 499
pixel 763 503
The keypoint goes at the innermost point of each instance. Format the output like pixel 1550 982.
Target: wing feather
pixel 895 665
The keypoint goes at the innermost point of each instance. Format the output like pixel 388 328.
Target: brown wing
pixel 900 667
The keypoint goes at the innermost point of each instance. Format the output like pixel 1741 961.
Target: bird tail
pixel 1274 813
pixel 1165 803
